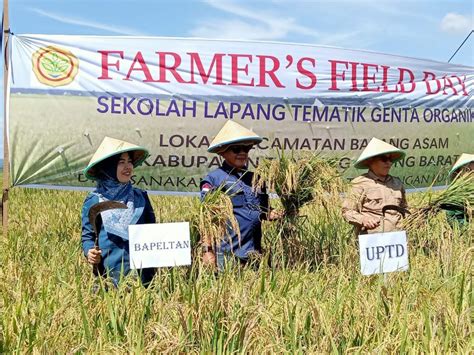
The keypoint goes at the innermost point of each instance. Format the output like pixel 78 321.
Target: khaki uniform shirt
pixel 369 194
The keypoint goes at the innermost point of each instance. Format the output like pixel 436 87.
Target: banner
pixel 172 96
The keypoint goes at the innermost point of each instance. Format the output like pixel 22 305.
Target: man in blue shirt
pixel 250 207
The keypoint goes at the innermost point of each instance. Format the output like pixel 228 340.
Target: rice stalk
pixel 214 217
pixel 300 308
pixel 458 194
pixel 298 181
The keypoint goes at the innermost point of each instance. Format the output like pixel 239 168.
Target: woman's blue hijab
pixel 116 221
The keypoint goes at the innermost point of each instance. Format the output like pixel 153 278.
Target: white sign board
pixel 383 252
pixel 159 245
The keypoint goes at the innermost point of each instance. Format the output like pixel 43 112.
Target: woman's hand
pixel 94 256
pixel 209 259
pixel 370 222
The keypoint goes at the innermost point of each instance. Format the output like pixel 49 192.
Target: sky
pixel 427 29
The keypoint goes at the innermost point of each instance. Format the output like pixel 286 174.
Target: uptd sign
pixel 383 252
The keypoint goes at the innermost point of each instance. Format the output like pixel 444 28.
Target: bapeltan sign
pixel 159 245
pixel 383 252
pixel 173 95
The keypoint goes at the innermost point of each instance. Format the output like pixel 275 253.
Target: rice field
pixel 311 299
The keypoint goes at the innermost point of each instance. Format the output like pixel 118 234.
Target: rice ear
pixel 298 180
pixel 460 192
pixel 215 217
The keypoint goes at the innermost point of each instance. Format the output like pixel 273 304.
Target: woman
pixel 377 200
pixel 233 143
pixel 112 167
pixel 464 165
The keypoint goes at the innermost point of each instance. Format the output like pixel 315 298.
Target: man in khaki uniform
pixel 371 192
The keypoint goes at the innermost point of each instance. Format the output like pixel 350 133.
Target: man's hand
pixel 273 215
pixel 94 256
pixel 370 222
pixel 209 259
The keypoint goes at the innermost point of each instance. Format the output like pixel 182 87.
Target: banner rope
pixel 469 35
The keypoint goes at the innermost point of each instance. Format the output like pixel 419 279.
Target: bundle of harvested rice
pixel 214 217
pixel 458 195
pixel 298 180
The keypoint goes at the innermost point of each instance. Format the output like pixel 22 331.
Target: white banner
pixel 172 95
pixel 383 252
pixel 159 245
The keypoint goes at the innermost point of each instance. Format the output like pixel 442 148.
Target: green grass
pixel 313 300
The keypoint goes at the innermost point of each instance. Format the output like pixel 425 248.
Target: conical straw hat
pixel 232 133
pixel 378 147
pixel 463 160
pixel 110 147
